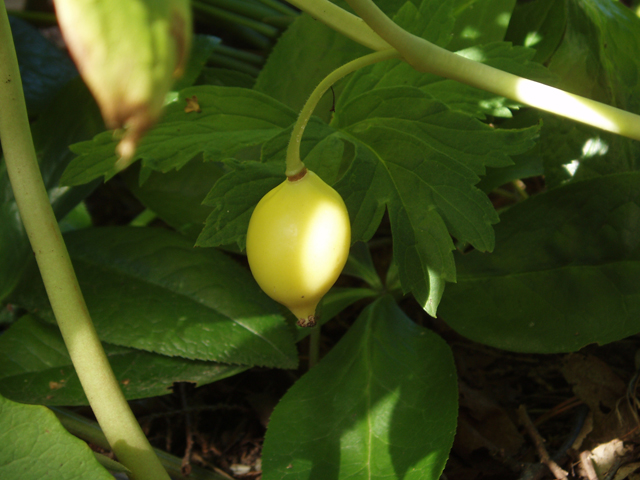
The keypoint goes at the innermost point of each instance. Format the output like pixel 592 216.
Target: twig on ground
pixel 538 441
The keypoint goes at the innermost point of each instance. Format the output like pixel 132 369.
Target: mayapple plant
pixel 412 132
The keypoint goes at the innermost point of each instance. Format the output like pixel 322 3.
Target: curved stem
pixel 424 56
pixel 100 385
pixel 294 163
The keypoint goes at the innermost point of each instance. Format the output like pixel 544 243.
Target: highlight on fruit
pixel 298 243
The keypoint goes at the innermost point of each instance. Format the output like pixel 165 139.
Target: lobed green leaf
pixel 35 368
pixel 231 120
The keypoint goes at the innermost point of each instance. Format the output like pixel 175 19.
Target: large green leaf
pixel 381 404
pixel 34 446
pixel 70 117
pixel 231 120
pixel 44 68
pixel 564 273
pixel 35 368
pixel 149 289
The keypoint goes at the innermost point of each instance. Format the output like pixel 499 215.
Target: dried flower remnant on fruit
pixel 129 54
pixel 298 243
pixel 310 321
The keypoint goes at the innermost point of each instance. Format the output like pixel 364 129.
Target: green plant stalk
pixel 233 64
pixel 379 33
pixel 343 22
pixel 100 385
pixel 251 10
pixel 249 35
pixel 294 163
pixel 267 30
pixel 280 7
pixel 240 55
pixel 280 22
pixel 89 431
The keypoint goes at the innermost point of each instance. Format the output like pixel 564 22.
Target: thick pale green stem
pixel 91 364
pixel 380 33
pixel 342 21
pixel 294 163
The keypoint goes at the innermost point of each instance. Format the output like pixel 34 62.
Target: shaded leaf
pixel 525 165
pixel 44 68
pixel 71 116
pixel 176 196
pixel 150 289
pixel 540 25
pixel 35 368
pixel 563 273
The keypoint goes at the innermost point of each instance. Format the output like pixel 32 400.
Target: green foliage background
pixel 417 152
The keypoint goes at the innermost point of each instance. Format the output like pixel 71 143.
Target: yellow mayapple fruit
pixel 298 242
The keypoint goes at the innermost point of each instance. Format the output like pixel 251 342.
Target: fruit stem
pixel 98 381
pixel 294 163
